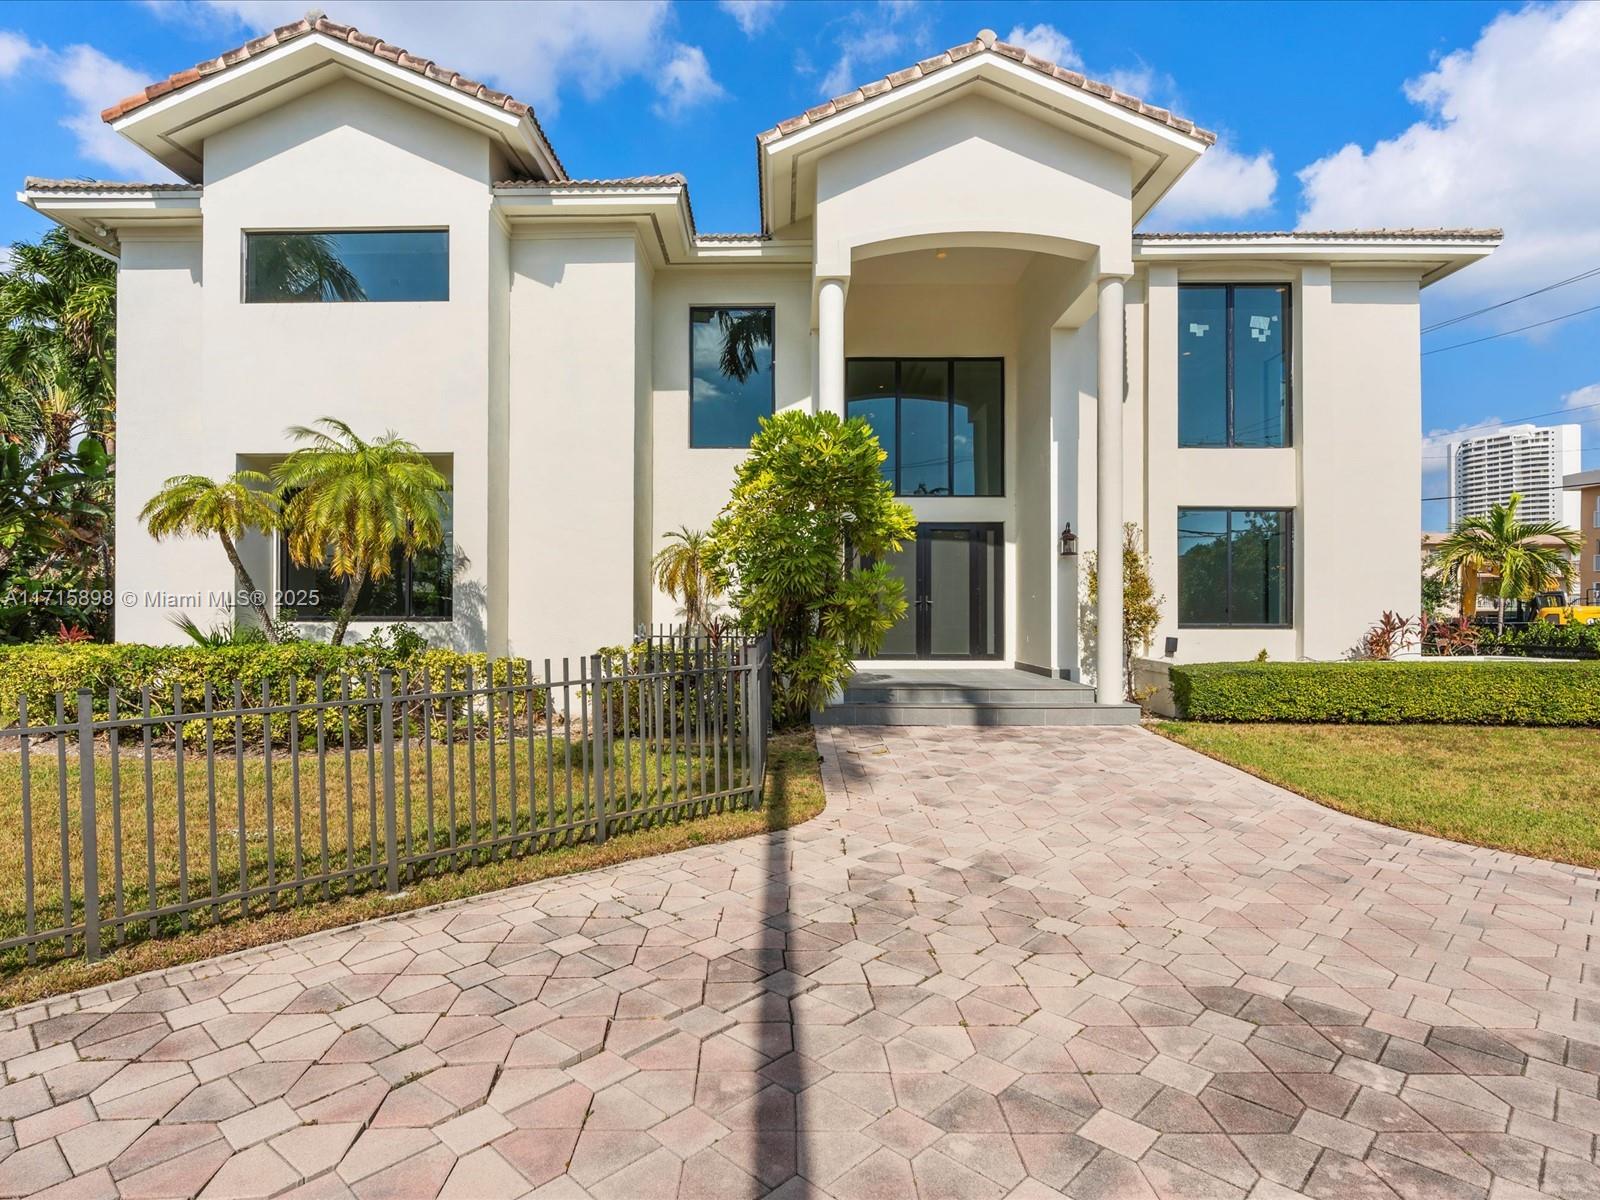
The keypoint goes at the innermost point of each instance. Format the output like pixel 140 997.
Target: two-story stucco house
pixel 948 252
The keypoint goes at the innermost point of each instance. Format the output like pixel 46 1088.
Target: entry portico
pixel 990 159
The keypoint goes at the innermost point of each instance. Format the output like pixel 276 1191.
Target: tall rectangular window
pixel 730 377
pixel 419 588
pixel 941 421
pixel 1234 567
pixel 1233 364
pixel 333 266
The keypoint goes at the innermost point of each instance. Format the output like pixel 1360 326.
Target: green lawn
pixel 1535 791
pixel 793 793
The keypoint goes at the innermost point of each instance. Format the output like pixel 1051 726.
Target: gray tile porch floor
pixel 1005 962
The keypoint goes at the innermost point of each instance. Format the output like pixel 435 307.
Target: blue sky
pixel 1331 115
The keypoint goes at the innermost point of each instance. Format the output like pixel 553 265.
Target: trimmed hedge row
pixel 1389 693
pixel 38 671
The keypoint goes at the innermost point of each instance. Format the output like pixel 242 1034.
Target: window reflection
pixel 419 588
pixel 1233 364
pixel 345 266
pixel 731 381
pixel 941 422
pixel 1233 566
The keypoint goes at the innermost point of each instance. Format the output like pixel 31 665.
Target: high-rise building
pixel 1529 460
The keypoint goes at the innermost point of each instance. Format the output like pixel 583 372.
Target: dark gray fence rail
pixel 154 818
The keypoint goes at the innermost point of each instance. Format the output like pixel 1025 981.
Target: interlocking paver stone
pixel 1006 962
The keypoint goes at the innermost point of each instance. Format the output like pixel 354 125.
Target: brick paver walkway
pixel 1004 962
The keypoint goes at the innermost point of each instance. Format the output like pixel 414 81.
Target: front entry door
pixel 953 578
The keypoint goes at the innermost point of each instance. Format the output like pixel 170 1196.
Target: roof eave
pixel 157 125
pixel 1436 258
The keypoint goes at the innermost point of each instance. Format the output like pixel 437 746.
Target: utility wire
pixel 1519 329
pixel 1550 287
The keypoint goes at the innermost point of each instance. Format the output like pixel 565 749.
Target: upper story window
pixel 1234 567
pixel 328 266
pixel 730 375
pixel 1233 364
pixel 940 420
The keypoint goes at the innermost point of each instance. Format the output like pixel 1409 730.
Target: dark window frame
pixel 950 409
pixel 772 408
pixel 244 260
pixel 1286 516
pixel 1228 362
pixel 406 580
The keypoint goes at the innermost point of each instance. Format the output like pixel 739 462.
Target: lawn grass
pixel 793 793
pixel 1533 791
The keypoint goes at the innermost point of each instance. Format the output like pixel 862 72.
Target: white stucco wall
pixel 573 404
pixel 160 399
pixel 689 486
pixel 344 157
pixel 1350 476
pixel 973 165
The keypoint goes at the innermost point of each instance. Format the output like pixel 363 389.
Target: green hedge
pixel 38 671
pixel 1389 693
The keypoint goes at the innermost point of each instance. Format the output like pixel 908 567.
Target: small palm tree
pixel 198 506
pixel 353 503
pixel 1527 555
pixel 682 570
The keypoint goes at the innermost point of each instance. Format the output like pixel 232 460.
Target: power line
pixel 1549 287
pixel 1519 329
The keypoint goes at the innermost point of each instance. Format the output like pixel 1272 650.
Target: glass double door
pixel 953 575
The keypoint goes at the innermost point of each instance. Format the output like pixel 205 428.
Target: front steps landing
pixel 961 695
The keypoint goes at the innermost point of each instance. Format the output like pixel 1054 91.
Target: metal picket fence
pixel 140 816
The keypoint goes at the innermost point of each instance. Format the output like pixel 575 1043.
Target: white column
pixel 1108 496
pixel 830 346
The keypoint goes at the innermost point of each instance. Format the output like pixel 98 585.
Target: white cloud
pixel 94 81
pixel 1047 42
pixel 538 50
pixel 1223 184
pixel 753 16
pixel 685 82
pixel 14 51
pixel 1506 139
pixel 1584 405
pixel 872 41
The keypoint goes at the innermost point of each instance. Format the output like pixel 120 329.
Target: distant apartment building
pixel 1583 489
pixel 1529 460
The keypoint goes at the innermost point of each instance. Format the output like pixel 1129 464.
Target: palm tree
pixel 681 569
pixel 353 503
pixel 744 331
pixel 1527 555
pixel 198 506
pixel 58 304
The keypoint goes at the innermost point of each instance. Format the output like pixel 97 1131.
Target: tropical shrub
pixel 798 549
pixel 1388 693
pixel 1141 606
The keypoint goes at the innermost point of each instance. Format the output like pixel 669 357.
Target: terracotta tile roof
pixel 985 41
pixel 315 22
pixel 35 184
pixel 631 181
pixel 1326 235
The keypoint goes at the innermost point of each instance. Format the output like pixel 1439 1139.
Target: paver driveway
pixel 1003 962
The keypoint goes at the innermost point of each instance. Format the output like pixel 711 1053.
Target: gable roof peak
pixel 317 22
pixel 986 42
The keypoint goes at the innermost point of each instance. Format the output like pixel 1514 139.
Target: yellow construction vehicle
pixel 1553 607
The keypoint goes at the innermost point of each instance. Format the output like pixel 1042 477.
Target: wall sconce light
pixel 1069 542
pixel 1171 648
